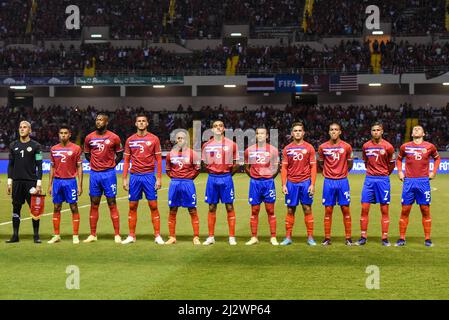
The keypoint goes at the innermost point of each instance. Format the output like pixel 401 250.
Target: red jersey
pixel 378 157
pixel 143 151
pixel 102 150
pixel 299 159
pixel 335 157
pixel 65 160
pixel 264 161
pixel 219 156
pixel 183 164
pixel 417 158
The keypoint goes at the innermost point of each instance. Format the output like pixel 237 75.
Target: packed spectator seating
pixel 347 17
pixel 352 56
pixel 354 119
pixel 152 19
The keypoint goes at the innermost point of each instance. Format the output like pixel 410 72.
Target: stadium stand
pixel 355 120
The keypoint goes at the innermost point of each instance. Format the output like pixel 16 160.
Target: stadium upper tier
pixel 188 19
pixel 354 119
pixel 401 57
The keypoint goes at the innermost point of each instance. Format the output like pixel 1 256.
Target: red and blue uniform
pixel 335 171
pixel 102 149
pixel 417 162
pixel 299 159
pixel 183 166
pixel 142 151
pixel 378 158
pixel 219 157
pixel 264 161
pixel 65 161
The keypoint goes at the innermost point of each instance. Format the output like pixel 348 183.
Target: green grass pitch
pixel 145 270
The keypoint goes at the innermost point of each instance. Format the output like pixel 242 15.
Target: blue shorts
pixel 376 190
pixel 65 190
pixel 103 181
pixel 336 190
pixel 182 193
pixel 298 193
pixel 416 189
pixel 261 190
pixel 139 183
pixel 219 187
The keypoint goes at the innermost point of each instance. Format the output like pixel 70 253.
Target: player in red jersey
pixel 66 166
pixel 335 157
pixel 220 156
pixel 262 166
pixel 417 154
pixel 182 166
pixel 378 155
pixel 298 181
pixel 103 149
pixel 143 150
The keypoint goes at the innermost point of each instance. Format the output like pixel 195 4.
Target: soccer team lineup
pixel 298 166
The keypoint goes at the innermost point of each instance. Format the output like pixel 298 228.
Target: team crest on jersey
pixel 304 151
pixel 107 141
pixel 70 153
pixel 225 148
pixel 29 149
pixel 424 150
pixel 148 143
pixel 267 154
pixel 382 151
pixel 341 150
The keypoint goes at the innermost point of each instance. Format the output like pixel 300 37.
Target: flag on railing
pixel 260 83
pixel 339 82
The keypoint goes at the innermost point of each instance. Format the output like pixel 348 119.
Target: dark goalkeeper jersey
pixel 25 161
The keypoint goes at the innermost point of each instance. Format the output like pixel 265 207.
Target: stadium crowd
pixel 355 121
pixel 347 17
pixel 350 56
pixel 187 19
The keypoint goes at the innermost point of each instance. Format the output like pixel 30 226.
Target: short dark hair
pixel 142 115
pixel 217 120
pixel 378 124
pixel 335 124
pixel 298 124
pixel 262 127
pixel 66 127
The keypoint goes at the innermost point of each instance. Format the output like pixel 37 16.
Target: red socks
pixel 308 220
pixel 211 218
pixel 75 223
pixel 426 220
pixel 384 208
pixel 132 218
pixel 364 219
pixel 93 219
pixel 172 223
pixel 403 222
pixel 328 221
pixel 195 222
pixel 254 222
pixel 56 222
pixel 115 218
pixel 231 223
pixel 289 223
pixel 347 221
pixel 271 218
pixel 155 217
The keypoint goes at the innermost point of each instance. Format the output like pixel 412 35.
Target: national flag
pixel 339 82
pixel 260 83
